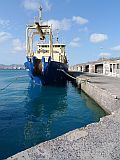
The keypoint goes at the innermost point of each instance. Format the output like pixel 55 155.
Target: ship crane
pixel 38 29
pixel 42 37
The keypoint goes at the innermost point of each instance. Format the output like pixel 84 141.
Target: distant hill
pixel 12 66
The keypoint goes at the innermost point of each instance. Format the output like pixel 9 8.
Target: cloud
pixel 97 38
pixel 75 42
pixel 31 4
pixel 35 4
pixel 47 5
pixel 76 39
pixel 116 48
pixel 79 20
pixel 18 46
pixel 85 29
pixel 4 23
pixel 104 54
pixel 63 24
pixel 4 36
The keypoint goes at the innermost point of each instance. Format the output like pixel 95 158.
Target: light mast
pixel 40 15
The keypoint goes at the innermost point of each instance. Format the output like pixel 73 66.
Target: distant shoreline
pixel 12 67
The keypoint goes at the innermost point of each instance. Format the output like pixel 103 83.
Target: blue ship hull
pixel 50 73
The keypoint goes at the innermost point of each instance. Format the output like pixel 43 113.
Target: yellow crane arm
pixel 42 37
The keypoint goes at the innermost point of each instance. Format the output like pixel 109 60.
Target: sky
pixel 89 28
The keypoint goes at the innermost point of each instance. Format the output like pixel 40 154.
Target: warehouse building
pixel 109 67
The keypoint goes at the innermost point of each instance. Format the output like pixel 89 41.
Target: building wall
pixel 106 67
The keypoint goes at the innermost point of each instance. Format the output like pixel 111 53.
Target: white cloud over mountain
pixel 97 38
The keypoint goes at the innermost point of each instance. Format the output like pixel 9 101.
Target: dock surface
pixel 97 141
pixel 103 89
pixel 110 84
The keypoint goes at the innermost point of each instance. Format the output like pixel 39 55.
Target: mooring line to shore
pixel 66 74
pixel 14 78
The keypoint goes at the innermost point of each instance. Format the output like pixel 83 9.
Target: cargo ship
pixel 48 63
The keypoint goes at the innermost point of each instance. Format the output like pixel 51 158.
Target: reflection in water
pixel 32 114
pixel 53 111
pixel 45 105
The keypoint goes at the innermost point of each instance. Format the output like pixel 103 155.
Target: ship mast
pixel 40 15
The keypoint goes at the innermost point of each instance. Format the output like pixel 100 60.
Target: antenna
pixel 40 15
pixel 57 36
pixel 57 39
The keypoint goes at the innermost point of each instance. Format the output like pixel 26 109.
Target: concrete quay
pixel 97 141
pixel 103 89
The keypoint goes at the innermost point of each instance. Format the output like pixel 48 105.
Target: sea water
pixel 31 114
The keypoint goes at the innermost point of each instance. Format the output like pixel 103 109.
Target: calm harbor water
pixel 32 114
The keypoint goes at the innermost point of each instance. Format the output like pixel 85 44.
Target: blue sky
pixel 89 28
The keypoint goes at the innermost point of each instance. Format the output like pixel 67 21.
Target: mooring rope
pixel 67 74
pixel 15 78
